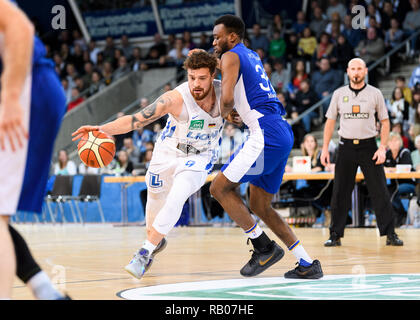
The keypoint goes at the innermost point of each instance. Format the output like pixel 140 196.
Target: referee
pixel 357 104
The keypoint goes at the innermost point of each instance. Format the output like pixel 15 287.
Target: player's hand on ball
pixel 82 130
pixel 235 118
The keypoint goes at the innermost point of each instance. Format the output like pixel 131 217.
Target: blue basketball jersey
pixel 254 94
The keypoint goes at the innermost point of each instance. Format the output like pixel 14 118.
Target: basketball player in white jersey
pixel 16 45
pixel 184 153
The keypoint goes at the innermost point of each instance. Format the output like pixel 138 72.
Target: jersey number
pixel 266 84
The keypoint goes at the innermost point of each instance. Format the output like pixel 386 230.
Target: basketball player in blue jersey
pixel 261 160
pixel 42 108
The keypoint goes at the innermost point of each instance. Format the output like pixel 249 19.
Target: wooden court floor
pixel 87 261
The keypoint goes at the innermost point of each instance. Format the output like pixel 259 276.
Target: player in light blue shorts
pixel 261 160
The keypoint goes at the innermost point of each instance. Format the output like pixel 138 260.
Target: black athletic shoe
pixel 162 245
pixel 333 241
pixel 314 271
pixel 393 240
pixel 66 297
pixel 261 261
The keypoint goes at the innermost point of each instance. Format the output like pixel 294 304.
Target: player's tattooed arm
pixel 151 113
pixel 169 102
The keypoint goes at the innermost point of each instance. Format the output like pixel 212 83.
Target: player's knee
pixel 214 191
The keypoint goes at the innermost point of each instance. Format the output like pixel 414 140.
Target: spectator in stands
pixel 123 166
pixel 126 47
pixel 415 155
pixel 276 24
pixel 64 166
pixel 179 53
pixel 77 58
pixel 258 40
pixel 374 24
pixel 341 54
pixel 298 75
pixel 312 188
pixel 400 83
pixel 280 78
pixel 261 53
pixel 117 54
pixel 58 60
pixel 159 46
pixel 398 154
pixel 232 138
pixel 119 139
pixel 109 50
pixel 67 89
pixel 336 6
pixel 133 152
pixel 291 47
pixel 87 75
pixel 370 50
pixel 107 72
pixel 416 107
pixel 76 99
pixel 318 23
pixel 300 24
pixel 412 23
pixel 268 69
pixel 141 137
pixel 157 128
pixel 78 40
pixel 96 84
pixel 136 59
pixel 80 84
pixel 399 107
pixel 205 43
pixel 99 65
pixel 415 77
pixel 93 51
pixel 292 114
pixel 71 75
pixel 307 44
pixel 324 47
pixel 373 12
pixel 122 70
pixel 387 13
pixel 397 127
pixel 394 35
pixel 84 169
pixel 334 24
pixel 277 46
pixel 65 53
pixel 353 36
pixel 326 80
pixel 305 98
pixel 188 40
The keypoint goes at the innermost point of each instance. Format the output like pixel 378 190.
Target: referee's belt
pixel 357 141
pixel 187 148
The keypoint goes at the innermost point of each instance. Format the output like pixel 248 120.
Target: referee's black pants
pixel 349 157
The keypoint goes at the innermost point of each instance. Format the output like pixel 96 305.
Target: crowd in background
pixel 305 58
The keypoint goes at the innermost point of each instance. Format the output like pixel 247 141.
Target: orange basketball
pixel 96 149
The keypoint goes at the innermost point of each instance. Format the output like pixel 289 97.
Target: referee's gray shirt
pixel 357 111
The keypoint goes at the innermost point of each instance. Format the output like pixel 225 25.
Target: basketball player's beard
pixel 201 96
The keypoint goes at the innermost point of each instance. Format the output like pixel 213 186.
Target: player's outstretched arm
pixel 230 70
pixel 169 102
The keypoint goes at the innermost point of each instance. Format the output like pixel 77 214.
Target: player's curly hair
pixel 201 59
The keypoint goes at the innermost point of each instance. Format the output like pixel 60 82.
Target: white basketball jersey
pixel 200 130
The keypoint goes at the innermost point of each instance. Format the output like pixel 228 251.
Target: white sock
pixel 301 256
pixel 42 287
pixel 254 232
pixel 149 246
